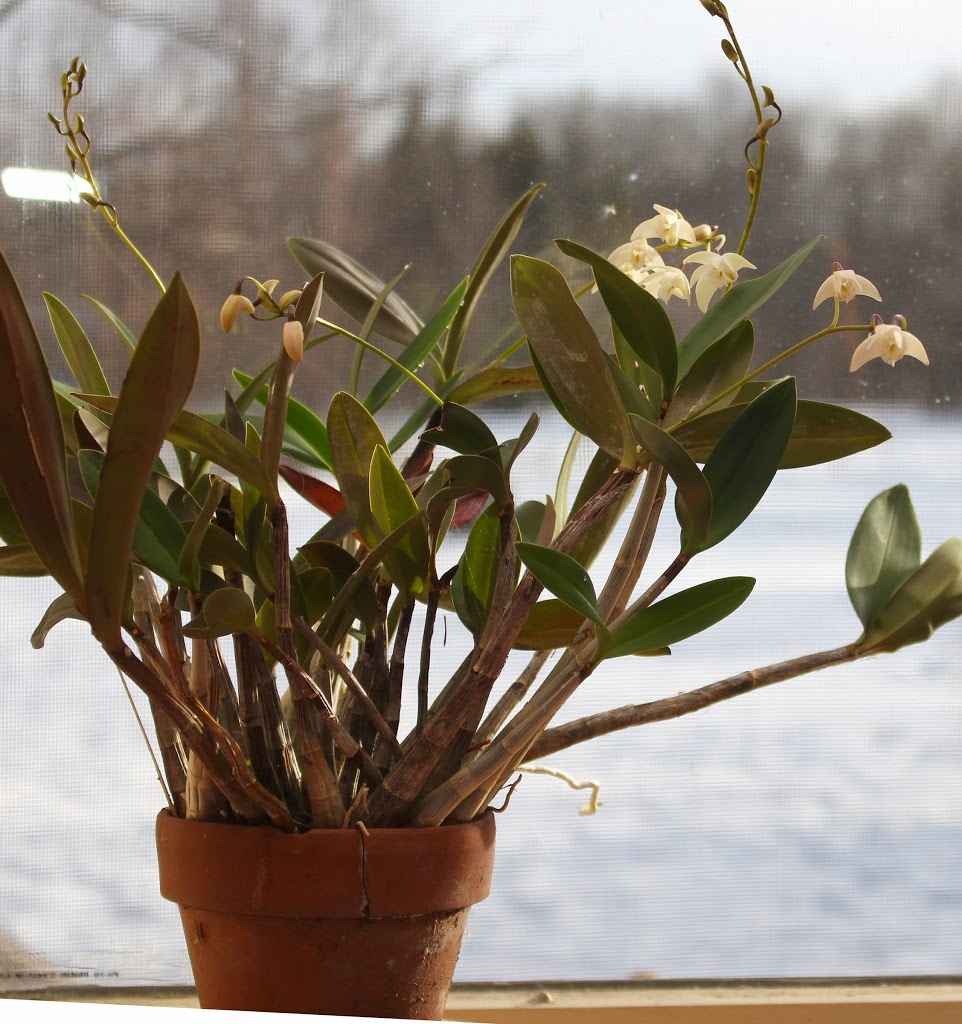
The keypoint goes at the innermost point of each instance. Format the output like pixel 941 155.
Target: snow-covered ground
pixel 813 828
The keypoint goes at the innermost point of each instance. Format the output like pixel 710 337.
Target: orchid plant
pixel 297 724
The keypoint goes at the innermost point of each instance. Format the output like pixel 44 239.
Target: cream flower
pixel 716 271
pixel 843 286
pixel 635 259
pixel 663 282
pixel 232 309
pixel 890 343
pixel 669 226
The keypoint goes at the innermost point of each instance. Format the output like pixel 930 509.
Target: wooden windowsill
pixel 848 1000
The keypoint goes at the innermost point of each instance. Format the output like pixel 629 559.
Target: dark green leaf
pixel 822 433
pixel 212 443
pixel 929 598
pixel 886 549
pixel 640 317
pixel 633 398
pixel 680 616
pixel 355 289
pixel 304 423
pixel 562 576
pixel 494 251
pixel 158 535
pixel 736 305
pixel 693 504
pixel 462 431
pixel 416 352
pixel 77 350
pixel 189 560
pixel 716 370
pixel 225 611
pixel 568 352
pixel 746 459
pixel 124 332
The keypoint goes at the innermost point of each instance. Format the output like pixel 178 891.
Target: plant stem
pixel 564 736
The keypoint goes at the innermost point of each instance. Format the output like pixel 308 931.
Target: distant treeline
pixel 217 196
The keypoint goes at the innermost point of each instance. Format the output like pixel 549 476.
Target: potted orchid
pixel 277 677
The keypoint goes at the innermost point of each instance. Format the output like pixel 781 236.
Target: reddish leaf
pixel 320 494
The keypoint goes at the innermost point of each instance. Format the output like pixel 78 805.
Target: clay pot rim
pixel 388 872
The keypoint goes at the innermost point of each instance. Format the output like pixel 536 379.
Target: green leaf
pixel 341 565
pixel 355 289
pixel 551 624
pixel 496 382
pixel 634 400
pixel 466 474
pixel 564 479
pixel 123 331
pixel 736 305
pixel 822 433
pixel 416 352
pixel 564 577
pixel 929 598
pixel 886 549
pixel 306 424
pixel 693 504
pixel 157 385
pixel 716 370
pixel 212 443
pixel 225 611
pixel 745 460
pixel 568 352
pixel 473 585
pixel 494 251
pixel 77 350
pixel 354 437
pixel 680 616
pixel 639 316
pixel 510 450
pixel 158 535
pixel 32 456
pixel 392 503
pixel 60 608
pixel 20 560
pixel 218 547
pixel 422 413
pixel 189 561
pixel 462 431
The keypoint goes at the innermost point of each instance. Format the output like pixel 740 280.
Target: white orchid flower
pixel 664 282
pixel 890 343
pixel 635 259
pixel 669 226
pixel 843 286
pixel 715 271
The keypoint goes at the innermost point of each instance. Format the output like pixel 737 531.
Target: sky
pixel 850 54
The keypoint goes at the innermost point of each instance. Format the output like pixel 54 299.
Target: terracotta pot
pixel 330 921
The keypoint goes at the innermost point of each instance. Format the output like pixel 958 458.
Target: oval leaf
pixel 679 616
pixel 563 576
pixel 886 549
pixel 639 316
pixel 568 352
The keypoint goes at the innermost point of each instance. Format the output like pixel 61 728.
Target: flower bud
pixel 232 309
pixel 703 232
pixel 293 338
pixel 289 299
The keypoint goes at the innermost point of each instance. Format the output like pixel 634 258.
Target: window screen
pixel 813 828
